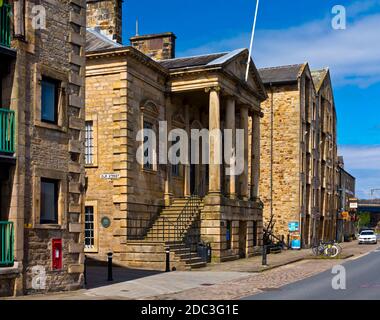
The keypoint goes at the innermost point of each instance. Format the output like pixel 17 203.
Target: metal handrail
pixel 7 131
pixel 5 24
pixel 6 244
pixel 187 214
pixel 176 231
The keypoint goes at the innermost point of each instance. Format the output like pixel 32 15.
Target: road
pixel 362 283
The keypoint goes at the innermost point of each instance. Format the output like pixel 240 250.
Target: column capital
pixel 244 106
pixel 256 113
pixel 213 88
pixel 232 97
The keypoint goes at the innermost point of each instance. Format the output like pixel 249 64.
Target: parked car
pixel 368 236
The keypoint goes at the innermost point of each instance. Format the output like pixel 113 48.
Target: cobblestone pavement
pixel 268 280
pixel 254 264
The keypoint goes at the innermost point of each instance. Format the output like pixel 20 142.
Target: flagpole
pixel 252 38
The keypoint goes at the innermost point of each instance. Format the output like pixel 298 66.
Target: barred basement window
pixel 175 167
pixel 89 143
pixel 89 230
pixel 147 156
pixel 255 233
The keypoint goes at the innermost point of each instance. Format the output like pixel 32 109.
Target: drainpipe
pixel 271 148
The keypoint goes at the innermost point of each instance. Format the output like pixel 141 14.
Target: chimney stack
pixel 157 46
pixel 104 16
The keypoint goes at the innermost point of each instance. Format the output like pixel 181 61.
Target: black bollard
pixel 289 241
pixel 167 251
pixel 264 261
pixel 85 270
pixel 109 255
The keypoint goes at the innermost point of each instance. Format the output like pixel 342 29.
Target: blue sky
pixel 290 32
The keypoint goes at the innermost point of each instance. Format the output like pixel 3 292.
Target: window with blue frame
pixel 49 201
pixel 49 100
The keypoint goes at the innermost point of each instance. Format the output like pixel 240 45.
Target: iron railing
pixel 7 131
pixel 181 230
pixel 5 24
pixel 176 230
pixel 6 244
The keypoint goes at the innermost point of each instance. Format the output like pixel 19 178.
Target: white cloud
pixel 353 55
pixel 363 162
pixel 361 157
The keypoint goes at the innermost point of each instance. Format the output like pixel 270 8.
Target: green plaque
pixel 106 222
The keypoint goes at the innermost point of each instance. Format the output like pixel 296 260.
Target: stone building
pixel 328 195
pixel 298 151
pixel 41 143
pixel 135 210
pixel 346 214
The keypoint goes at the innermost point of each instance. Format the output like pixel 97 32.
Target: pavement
pixel 223 281
pixel 97 275
pixel 359 280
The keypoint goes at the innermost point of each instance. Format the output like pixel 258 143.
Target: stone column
pixel 186 189
pixel 215 142
pixel 255 164
pixel 244 175
pixel 230 124
pixel 168 194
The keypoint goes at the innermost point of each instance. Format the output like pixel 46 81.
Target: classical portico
pixel 159 204
pixel 217 97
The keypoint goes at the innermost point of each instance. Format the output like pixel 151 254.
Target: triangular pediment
pixel 237 66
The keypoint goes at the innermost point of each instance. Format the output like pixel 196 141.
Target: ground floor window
pixel 89 228
pixel 89 143
pixel 228 234
pixel 49 201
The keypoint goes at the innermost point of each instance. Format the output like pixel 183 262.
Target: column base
pixel 168 199
pixel 232 196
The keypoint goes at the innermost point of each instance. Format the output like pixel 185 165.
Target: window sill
pixel 91 166
pixel 48 226
pixel 50 126
pixel 95 250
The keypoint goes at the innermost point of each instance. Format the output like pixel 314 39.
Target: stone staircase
pixel 174 225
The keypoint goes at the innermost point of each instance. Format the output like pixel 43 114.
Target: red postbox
pixel 57 254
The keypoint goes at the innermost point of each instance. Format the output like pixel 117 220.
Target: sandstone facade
pixel 125 89
pixel 297 167
pixel 346 217
pixel 44 150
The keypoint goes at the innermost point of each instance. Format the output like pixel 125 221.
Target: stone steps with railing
pixel 172 227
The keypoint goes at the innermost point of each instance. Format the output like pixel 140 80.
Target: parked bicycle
pixel 329 249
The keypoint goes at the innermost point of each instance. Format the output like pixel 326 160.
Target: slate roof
pixel 96 41
pixel 187 62
pixel 282 74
